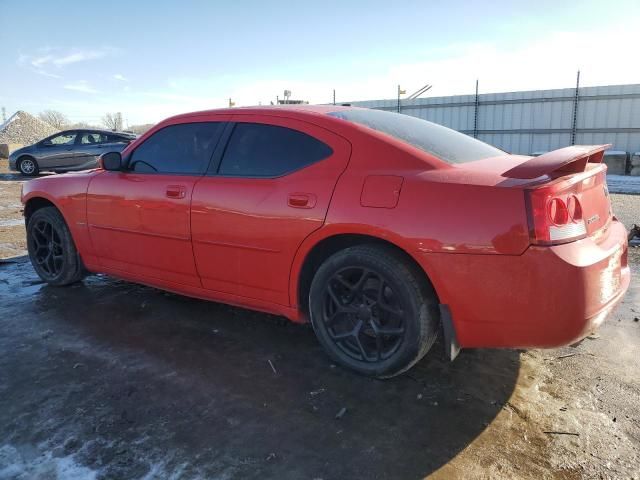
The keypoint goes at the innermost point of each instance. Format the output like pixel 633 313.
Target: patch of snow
pixel 12 222
pixel 623 184
pixel 15 465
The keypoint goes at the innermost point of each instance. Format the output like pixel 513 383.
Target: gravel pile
pixel 24 129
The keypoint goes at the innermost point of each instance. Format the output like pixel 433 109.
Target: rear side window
pixel 442 142
pixel 89 138
pixel 259 150
pixel 118 139
pixel 184 148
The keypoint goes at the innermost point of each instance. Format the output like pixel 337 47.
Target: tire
pixel 373 311
pixel 51 249
pixel 28 166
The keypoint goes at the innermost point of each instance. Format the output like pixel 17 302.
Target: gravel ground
pixel 107 379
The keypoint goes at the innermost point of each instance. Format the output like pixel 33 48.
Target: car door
pixel 89 146
pixel 139 218
pixel 263 195
pixel 57 151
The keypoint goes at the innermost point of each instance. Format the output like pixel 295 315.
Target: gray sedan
pixel 67 151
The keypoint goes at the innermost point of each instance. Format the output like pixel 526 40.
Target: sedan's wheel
pixel 51 249
pixel 373 311
pixel 28 166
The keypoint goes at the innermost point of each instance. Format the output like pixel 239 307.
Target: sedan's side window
pixel 118 139
pixel 64 139
pixel 91 138
pixel 184 148
pixel 260 150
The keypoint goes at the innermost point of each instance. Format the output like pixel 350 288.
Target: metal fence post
pixel 475 113
pixel 576 98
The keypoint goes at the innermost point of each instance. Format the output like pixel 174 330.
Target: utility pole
pixel 334 96
pixel 4 113
pixel 576 98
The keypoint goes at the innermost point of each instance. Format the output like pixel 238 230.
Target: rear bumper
pixel 546 297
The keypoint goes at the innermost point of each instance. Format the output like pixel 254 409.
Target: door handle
pixel 301 200
pixel 176 191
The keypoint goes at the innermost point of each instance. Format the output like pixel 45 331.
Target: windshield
pixel 442 142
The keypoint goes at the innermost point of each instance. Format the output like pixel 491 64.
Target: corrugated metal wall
pixel 535 121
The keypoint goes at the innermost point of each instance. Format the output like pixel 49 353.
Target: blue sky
pixel 150 60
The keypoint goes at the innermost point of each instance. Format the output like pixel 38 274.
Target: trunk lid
pixel 566 191
pixel 559 162
pixel 568 197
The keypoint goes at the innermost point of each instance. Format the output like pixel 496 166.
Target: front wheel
pixel 373 311
pixel 51 249
pixel 28 166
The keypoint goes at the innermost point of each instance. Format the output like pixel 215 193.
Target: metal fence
pixel 535 121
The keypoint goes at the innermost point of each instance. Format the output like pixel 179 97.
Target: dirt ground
pixel 108 379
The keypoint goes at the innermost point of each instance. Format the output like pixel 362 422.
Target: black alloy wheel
pixel 362 314
pixel 51 248
pixel 47 247
pixel 373 310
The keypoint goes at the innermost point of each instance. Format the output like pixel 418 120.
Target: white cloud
pixel 80 86
pixel 50 57
pixel 81 56
pixel 40 61
pixel 47 74
pixel 120 77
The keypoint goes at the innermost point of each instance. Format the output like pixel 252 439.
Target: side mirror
pixel 46 143
pixel 111 161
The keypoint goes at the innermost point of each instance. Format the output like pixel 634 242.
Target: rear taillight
pixel 555 215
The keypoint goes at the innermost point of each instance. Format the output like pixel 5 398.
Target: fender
pixel 331 230
pixel 68 194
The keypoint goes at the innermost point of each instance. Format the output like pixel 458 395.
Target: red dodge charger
pixel 380 229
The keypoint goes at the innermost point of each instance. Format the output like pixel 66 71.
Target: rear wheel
pixel 372 311
pixel 51 249
pixel 28 166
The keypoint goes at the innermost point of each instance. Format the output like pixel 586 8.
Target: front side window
pixel 442 142
pixel 63 139
pixel 260 150
pixel 185 148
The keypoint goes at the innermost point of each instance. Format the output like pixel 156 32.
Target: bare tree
pixel 54 118
pixel 113 121
pixel 140 129
pixel 79 125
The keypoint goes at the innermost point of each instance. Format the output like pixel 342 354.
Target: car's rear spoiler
pixel 559 162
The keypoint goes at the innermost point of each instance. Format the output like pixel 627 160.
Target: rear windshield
pixel 442 142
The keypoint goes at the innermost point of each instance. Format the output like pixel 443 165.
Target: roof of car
pixel 312 109
pixel 98 130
